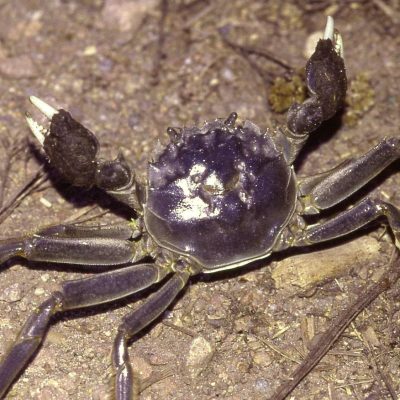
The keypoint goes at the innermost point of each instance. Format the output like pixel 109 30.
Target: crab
pixel 216 197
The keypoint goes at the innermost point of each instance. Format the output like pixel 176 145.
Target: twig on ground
pixel 11 150
pixel 155 75
pixel 156 377
pixel 29 187
pixel 181 329
pixel 379 371
pixel 246 51
pixel 76 217
pixel 391 13
pixel 332 334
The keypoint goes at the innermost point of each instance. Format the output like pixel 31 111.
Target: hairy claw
pixel 70 147
pixel 73 150
pixel 326 82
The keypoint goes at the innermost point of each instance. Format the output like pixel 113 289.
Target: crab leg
pixel 351 220
pixel 322 191
pixel 127 386
pixel 72 150
pixel 74 294
pixel 75 245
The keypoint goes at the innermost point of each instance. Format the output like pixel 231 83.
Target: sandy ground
pixel 130 69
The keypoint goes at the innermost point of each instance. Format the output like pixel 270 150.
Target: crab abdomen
pixel 219 194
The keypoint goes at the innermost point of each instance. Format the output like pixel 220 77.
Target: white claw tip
pixel 332 34
pixel 329 28
pixel 43 107
pixel 36 129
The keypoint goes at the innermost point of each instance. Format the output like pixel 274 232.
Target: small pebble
pixel 262 358
pixel 45 202
pixel 18 67
pixel 200 355
pixel 262 385
pixel 102 392
pixel 39 291
pixel 12 293
pixel 126 15
pixel 90 51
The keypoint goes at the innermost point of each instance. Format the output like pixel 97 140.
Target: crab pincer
pixel 326 82
pixel 73 150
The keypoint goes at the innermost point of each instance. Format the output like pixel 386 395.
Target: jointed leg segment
pixel 27 342
pixel 126 386
pixel 327 189
pixel 349 221
pixel 322 191
pixel 76 245
pixel 79 293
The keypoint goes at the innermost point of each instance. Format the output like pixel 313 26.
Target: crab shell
pixel 220 195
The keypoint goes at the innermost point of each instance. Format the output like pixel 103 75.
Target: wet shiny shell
pixel 219 194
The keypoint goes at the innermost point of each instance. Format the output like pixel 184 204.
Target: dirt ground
pixel 128 70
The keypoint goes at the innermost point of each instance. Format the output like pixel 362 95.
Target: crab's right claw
pixel 326 82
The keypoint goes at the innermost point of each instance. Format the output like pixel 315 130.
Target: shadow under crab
pixel 217 197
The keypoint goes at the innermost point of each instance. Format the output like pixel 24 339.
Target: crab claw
pixel 326 82
pixel 70 147
pixel 72 150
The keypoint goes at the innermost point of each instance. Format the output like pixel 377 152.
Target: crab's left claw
pixel 72 149
pixel 326 82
